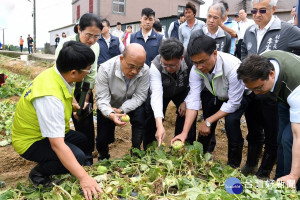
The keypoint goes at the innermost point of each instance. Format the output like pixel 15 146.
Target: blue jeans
pixel 285 142
pixel 30 49
pixel 42 153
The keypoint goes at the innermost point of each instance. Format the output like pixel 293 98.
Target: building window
pixel 78 12
pixel 91 6
pixel 119 6
pixel 180 9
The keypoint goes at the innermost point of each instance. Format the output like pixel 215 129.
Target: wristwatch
pixel 207 123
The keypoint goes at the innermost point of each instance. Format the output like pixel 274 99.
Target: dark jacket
pixel 106 52
pixel 280 36
pixel 174 32
pixel 151 46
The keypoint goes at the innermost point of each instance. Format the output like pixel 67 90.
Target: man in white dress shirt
pixel 169 81
pixel 217 72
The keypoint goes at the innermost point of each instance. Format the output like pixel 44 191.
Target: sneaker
pixel 37 178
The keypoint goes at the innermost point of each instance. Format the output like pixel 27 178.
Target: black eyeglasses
pixel 261 11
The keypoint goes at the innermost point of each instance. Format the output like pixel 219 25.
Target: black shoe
pixel 254 151
pixel 235 155
pixel 267 163
pixel 37 178
pixel 88 160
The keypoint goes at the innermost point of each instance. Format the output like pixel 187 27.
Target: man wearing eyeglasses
pixel 217 72
pixel 122 86
pixel 169 81
pixel 278 72
pixel 268 33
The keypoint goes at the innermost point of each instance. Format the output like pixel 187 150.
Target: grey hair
pixel 220 7
pixel 272 2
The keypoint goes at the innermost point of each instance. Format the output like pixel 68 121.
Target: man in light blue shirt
pixel 189 25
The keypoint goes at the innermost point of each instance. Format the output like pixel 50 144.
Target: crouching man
pixel 122 85
pixel 41 130
pixel 217 72
pixel 278 72
pixel 169 81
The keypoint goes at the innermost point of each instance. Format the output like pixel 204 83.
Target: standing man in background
pixel 243 25
pixel 110 46
pixel 118 32
pixel 230 26
pixel 174 26
pixel 189 25
pixel 293 15
pixel 30 44
pixel 147 37
pixel 21 43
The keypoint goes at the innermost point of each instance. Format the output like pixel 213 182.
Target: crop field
pixel 158 173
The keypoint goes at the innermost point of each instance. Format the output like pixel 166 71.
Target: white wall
pixel 203 8
pixel 68 30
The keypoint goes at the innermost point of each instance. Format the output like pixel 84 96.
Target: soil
pixel 14 169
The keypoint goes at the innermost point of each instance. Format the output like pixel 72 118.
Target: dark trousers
pixel 262 121
pixel 106 129
pixel 151 124
pixel 211 105
pixel 239 49
pixel 42 153
pixel 30 49
pixel 285 143
pixel 21 48
pixel 86 126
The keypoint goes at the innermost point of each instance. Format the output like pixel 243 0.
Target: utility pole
pixel 34 27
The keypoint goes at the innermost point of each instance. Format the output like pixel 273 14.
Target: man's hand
pixel 290 180
pixel 89 187
pixel 116 119
pixel 181 137
pixel 160 135
pixel 182 109
pixel 118 111
pixel 204 130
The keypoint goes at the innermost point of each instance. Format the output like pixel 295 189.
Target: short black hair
pixel 192 7
pixel 106 21
pixel 180 15
pixel 171 48
pixel 255 67
pixel 74 56
pixel 148 12
pixel 87 20
pixel 201 44
pixel 157 26
pixel 119 23
pixel 225 4
pixel 129 26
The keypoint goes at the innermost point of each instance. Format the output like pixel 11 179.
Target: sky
pixel 16 18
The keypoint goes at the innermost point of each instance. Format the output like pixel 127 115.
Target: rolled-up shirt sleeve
pixel 293 101
pixel 193 100
pixel 51 116
pixel 235 94
pixel 156 91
